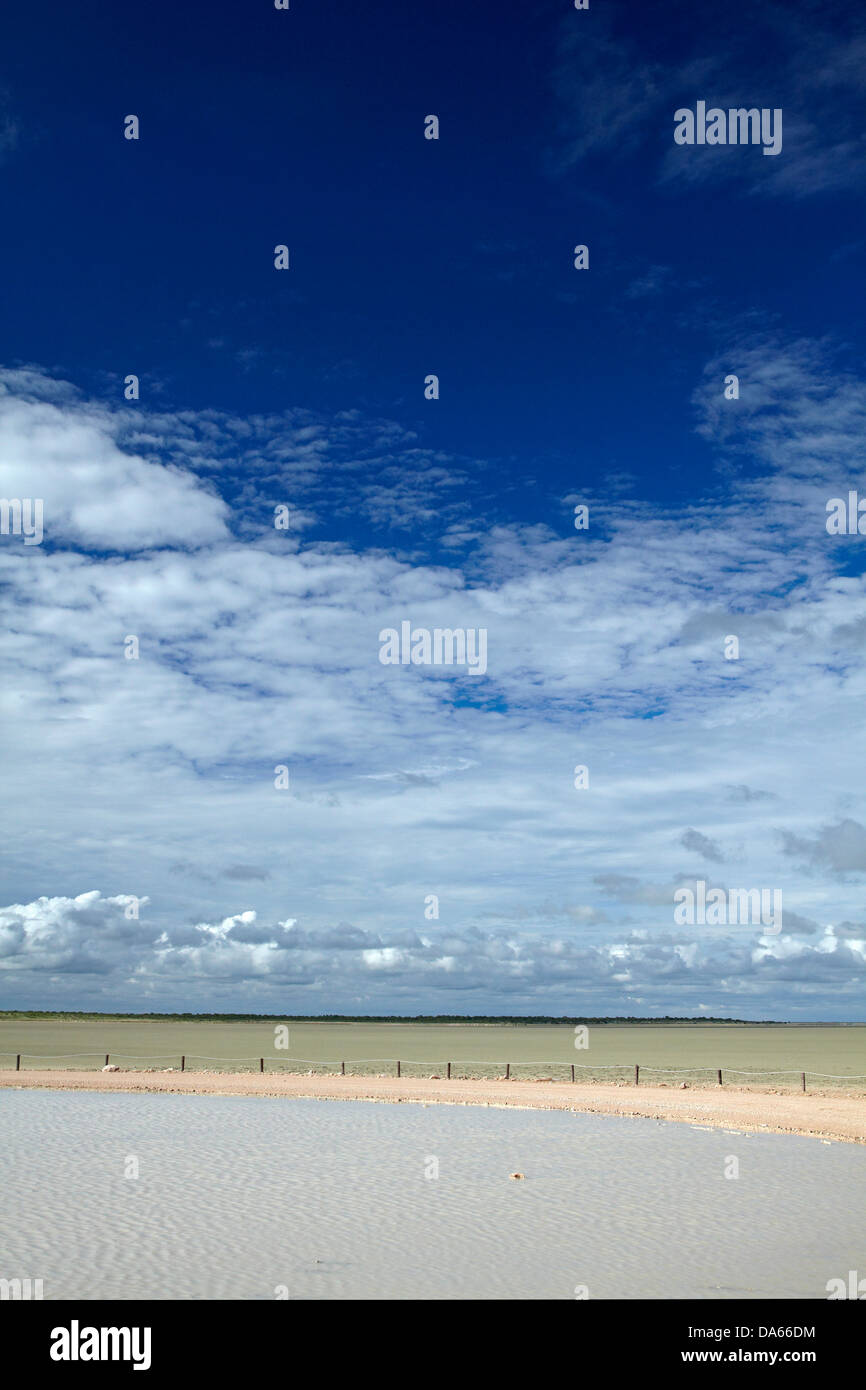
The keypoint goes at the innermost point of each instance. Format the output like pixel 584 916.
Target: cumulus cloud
pixel 87 935
pixel 91 940
pixel 155 777
pixel 95 495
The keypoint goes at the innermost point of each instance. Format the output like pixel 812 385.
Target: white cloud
pixel 156 777
pixel 89 939
pixel 95 495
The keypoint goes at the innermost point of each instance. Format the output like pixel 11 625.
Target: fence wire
pixel 617 1073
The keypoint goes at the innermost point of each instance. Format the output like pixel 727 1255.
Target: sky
pixel 433 849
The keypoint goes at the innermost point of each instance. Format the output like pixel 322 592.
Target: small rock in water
pixel 517 1176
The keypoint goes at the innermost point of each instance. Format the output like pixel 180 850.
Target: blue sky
pixel 154 779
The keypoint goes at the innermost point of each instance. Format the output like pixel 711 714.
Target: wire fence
pixel 619 1074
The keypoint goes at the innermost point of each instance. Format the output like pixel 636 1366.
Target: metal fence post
pixel 398 1067
pixel 182 1063
pixel 261 1064
pixel 342 1068
pixel 803 1076
pixel 18 1062
pixel 636 1075
pixel 449 1071
pixel 572 1073
pixel 507 1071
pixel 107 1055
pixel 720 1076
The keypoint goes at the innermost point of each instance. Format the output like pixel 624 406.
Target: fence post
pixel 107 1055
pixel 572 1073
pixel 449 1071
pixel 507 1071
pixel 636 1074
pixel 18 1062
pixel 720 1076
pixel 183 1063
pixel 342 1068
pixel 261 1064
pixel 398 1067
pixel 803 1076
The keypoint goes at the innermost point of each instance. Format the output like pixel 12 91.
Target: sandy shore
pixel 839 1117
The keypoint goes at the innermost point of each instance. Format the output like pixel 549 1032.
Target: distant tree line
pixel 60 1015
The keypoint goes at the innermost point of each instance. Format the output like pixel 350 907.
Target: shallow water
pixel 783 1051
pixel 237 1196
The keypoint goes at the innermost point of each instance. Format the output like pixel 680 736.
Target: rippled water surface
pixel 238 1196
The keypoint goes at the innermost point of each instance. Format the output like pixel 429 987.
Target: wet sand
pixel 827 1116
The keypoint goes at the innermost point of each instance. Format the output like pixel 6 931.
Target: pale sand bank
pixel 839 1117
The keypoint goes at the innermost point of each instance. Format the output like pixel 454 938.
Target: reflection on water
pixel 241 1197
